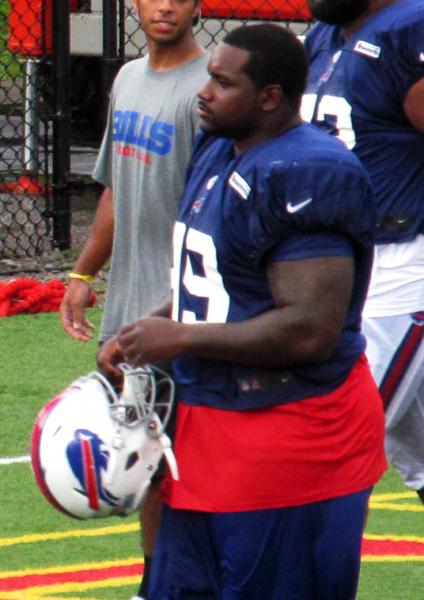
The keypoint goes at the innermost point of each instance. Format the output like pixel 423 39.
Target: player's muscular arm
pixel 311 296
pixel 94 254
pixel 414 105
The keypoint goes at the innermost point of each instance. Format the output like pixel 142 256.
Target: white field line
pixel 12 460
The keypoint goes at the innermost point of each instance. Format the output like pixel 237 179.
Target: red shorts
pixel 285 455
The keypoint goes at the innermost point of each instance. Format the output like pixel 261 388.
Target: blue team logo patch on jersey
pixel 89 459
pixel 367 49
pixel 197 205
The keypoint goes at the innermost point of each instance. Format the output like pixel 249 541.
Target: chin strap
pixel 169 455
pixel 166 447
pixel 165 443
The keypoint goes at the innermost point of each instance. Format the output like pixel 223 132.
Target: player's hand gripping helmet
pixel 94 450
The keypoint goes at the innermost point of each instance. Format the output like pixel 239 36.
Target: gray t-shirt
pixel 143 157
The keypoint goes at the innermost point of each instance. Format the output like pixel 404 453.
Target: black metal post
pixel 122 11
pixel 61 125
pixel 111 60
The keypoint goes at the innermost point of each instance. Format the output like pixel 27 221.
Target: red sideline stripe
pixel 400 362
pixel 396 547
pixel 90 475
pixel 22 582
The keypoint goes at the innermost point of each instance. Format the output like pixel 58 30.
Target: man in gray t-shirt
pixel 143 157
pixel 145 150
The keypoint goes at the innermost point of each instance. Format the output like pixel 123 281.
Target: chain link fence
pixel 36 132
pixel 218 18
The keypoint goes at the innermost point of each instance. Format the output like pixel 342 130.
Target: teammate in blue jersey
pixel 280 428
pixel 366 86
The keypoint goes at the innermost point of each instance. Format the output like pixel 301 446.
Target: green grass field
pixel 38 360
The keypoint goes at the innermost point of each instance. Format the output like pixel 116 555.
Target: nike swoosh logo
pixel 293 208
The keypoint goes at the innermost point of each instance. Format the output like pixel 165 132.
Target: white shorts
pixel 395 350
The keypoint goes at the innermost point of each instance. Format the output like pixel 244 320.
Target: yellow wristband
pixel 86 278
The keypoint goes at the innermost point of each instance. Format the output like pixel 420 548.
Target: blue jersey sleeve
pixel 404 56
pixel 327 205
pixel 311 245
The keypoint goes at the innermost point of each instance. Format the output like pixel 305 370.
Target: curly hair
pixel 277 56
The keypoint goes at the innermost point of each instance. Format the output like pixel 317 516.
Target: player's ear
pixel 270 97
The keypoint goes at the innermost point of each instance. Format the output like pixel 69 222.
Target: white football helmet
pixel 94 451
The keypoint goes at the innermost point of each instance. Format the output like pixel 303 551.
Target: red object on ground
pixel 25 295
pixel 25 185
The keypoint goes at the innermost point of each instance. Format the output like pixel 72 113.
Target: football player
pixel 280 428
pixel 366 86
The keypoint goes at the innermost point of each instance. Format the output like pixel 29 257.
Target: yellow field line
pixel 394 538
pixel 377 505
pixel 388 501
pixel 394 496
pixel 75 533
pixel 391 558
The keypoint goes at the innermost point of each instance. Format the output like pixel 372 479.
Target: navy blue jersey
pixel 300 195
pixel 356 90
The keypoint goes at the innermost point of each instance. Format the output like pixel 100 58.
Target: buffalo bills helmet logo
pixel 88 458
